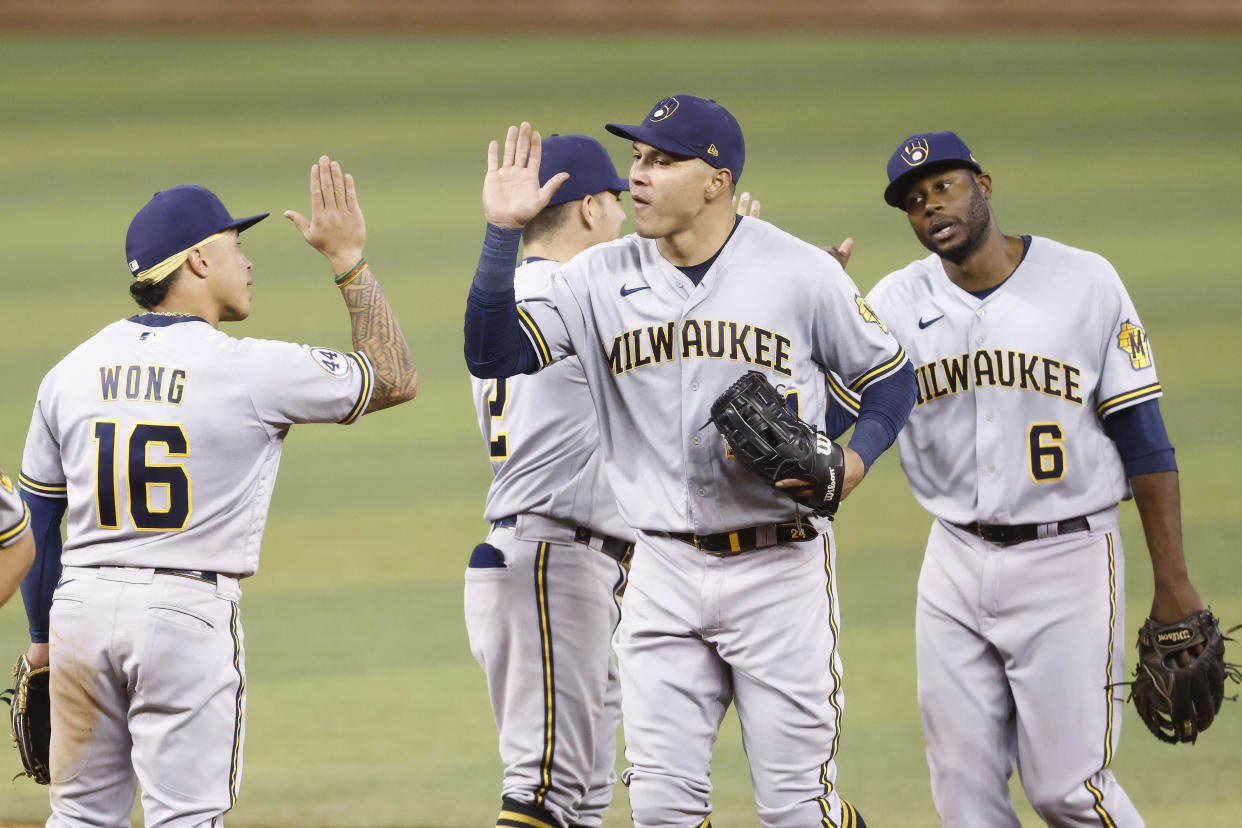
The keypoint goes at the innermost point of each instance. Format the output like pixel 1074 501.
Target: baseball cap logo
pixel 915 152
pixel 662 110
pixel 133 265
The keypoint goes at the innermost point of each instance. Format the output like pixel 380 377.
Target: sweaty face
pixel 949 212
pixel 230 277
pixel 667 190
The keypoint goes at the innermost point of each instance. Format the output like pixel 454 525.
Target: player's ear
pixel 197 263
pixel 720 184
pixel 985 184
pixel 587 211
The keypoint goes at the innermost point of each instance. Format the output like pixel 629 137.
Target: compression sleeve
pixel 40 582
pixel 1141 438
pixel 495 345
pixel 883 409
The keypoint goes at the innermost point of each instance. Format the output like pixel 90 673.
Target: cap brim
pixel 655 138
pixel 241 224
pixel 895 192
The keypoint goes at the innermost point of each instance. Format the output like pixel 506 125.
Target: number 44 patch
pixel 1133 341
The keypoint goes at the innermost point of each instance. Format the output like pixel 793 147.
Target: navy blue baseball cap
pixel 921 154
pixel 589 166
pixel 175 220
pixel 697 127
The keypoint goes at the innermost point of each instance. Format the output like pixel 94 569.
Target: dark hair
pixel 548 221
pixel 150 294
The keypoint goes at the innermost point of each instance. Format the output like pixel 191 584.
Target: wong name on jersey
pixel 149 383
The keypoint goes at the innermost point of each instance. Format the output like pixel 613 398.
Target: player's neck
pixel 700 240
pixel 180 307
pixel 994 262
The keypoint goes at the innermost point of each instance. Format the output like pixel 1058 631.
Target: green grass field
pixel 366 708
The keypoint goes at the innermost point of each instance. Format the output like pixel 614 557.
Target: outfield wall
pixel 1184 15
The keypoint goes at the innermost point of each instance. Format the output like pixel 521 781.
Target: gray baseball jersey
pixel 543 439
pixel 1020 646
pixel 121 424
pixel 1007 424
pixel 14 517
pixel 657 351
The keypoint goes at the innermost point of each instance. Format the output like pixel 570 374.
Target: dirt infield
pixel 662 15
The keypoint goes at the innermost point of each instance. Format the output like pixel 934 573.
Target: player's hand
pixel 841 252
pixel 745 207
pixel 38 655
pixel 854 471
pixel 511 192
pixel 336 227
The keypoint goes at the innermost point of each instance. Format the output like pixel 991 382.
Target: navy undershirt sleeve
pixel 1141 439
pixel 883 410
pixel 40 582
pixel 495 345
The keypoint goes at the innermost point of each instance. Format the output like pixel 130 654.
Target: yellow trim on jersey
pixel 549 691
pixel 368 384
pixel 241 697
pixel 513 816
pixel 46 489
pixel 1112 625
pixel 11 533
pixel 824 805
pixel 842 395
pixel 545 355
pixel 879 371
pixel 1130 396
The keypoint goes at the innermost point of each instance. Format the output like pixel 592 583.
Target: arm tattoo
pixel 377 334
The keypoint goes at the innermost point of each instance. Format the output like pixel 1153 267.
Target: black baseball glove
pixel 1179 701
pixel 770 440
pixel 31 714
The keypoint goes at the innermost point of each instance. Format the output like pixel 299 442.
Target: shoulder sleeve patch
pixel 332 362
pixel 5 482
pixel 1133 341
pixel 867 313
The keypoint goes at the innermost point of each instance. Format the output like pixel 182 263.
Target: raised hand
pixel 511 192
pixel 336 227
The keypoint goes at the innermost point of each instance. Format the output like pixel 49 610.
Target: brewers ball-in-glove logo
pixel 662 110
pixel 6 483
pixel 1133 341
pixel 915 152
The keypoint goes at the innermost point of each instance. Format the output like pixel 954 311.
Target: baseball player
pixel 160 437
pixel 16 543
pixel 731 596
pixel 1037 412
pixel 541 593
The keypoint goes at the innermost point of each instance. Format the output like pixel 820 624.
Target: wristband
pixel 351 274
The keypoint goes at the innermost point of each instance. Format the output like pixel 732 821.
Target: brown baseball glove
pixel 1179 700
pixel 31 716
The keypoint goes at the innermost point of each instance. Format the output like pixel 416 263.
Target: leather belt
pixel 196 574
pixel 619 550
pixel 1022 532
pixel 728 544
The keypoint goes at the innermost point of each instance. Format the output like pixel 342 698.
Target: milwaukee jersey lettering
pixel 657 358
pixel 1013 388
pixel 543 439
pixel 128 410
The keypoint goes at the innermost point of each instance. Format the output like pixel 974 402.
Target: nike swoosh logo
pixel 923 324
pixel 627 291
pixel 65 581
